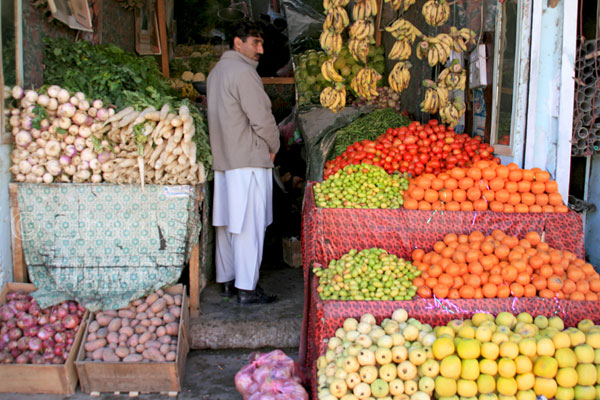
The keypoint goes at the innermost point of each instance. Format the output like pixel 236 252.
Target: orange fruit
pixel 538 187
pixel 459 195
pixel 465 183
pixel 577 296
pixel 528 175
pixel 503 290
pixel 473 193
pixel 502 195
pixel 511 186
pixel 528 198
pixel 541 199
pixel 515 175
pixel 466 206
pixel 453 206
pixel 417 254
pixel 516 289
pixel 450 184
pixel 411 203
pixel 514 199
pixel 551 187
pixel 533 237
pixel 488 173
pixel 474 173
pixel 561 208
pixel 489 290
pixel 416 193
pixel 466 292
pixel 457 173
pixel 555 199
pixel 440 291
pixel 431 195
pixel 535 208
pixel 502 171
pixel 496 184
pixel 489 195
pixel 529 290
pixel 555 283
pixel 523 186
pixel 542 176
pixel 437 183
pixel 423 182
pixel 521 208
pixel 480 204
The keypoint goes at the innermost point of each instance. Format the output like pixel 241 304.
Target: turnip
pixel 17 92
pixel 23 138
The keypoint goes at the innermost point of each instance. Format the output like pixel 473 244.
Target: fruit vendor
pixel 244 139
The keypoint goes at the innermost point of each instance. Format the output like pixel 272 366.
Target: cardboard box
pixel 40 378
pixel 147 377
pixel 292 252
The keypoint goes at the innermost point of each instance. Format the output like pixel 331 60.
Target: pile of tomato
pixel 415 149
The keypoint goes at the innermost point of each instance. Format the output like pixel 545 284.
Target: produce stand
pixel 329 233
pixel 143 377
pixel 43 378
pixel 165 255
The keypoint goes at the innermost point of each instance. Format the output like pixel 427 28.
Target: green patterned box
pixel 105 245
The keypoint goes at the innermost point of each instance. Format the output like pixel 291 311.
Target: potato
pixel 160 292
pixel 97 354
pixel 94 326
pixel 145 337
pixel 152 328
pixel 140 348
pixel 112 337
pixel 177 298
pixel 114 325
pixel 133 358
pixel 156 321
pixel 122 351
pixel 168 317
pixel 125 321
pixel 165 339
pixel 158 305
pixel 91 336
pixel 94 344
pixel 125 313
pixel 161 313
pixel 175 310
pixel 172 328
pixel 153 344
pixel 173 347
pixel 133 341
pixel 109 356
pixel 133 323
pixel 169 299
pixel 102 332
pixel 141 308
pixel 146 322
pixel 153 355
pixel 140 329
pixel 164 349
pixel 161 331
pixel 136 302
pixel 151 298
pixel 141 316
pixel 149 314
pixel 123 338
pixel 103 319
pixel 110 313
pixel 113 346
pixel 126 330
pixel 171 356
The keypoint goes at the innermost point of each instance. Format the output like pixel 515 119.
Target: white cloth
pixel 242 210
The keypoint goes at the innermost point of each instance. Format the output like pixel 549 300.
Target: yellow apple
pixel 561 340
pixel 406 370
pixel 480 317
pixel 556 322
pixel 506 386
pixel 587 374
pixel 483 334
pixel 490 350
pixel 352 379
pixel 430 368
pixel 506 368
pixel 545 346
pixel 525 381
pixel 577 336
pixel 362 390
pixel 445 330
pixel 564 393
pixel 399 354
pixel 545 387
pixel 525 317
pixel 466 332
pixel 426 384
pixel 566 357
pixel 545 366
pixel 486 383
pixel 450 367
pixel 468 348
pixel 528 347
pixel 523 364
pixel 379 388
pixel 593 339
pixel 456 324
pixel 469 369
pixel 541 321
pixel 388 372
pixel 509 350
pixel 466 388
pixel 417 356
pixel 351 364
pixel 368 373
pixel 338 388
pixel 506 319
pixel 411 387
pixel 585 353
pixel 445 387
pixel 499 337
pixel 396 387
pixel 488 396
pixel 442 347
pixel 489 367
pixel 566 377
pixel 585 325
pixel 526 395
pixel 585 392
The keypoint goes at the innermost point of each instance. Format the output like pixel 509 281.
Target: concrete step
pixel 224 324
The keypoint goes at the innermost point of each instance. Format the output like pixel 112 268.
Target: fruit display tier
pixel 329 233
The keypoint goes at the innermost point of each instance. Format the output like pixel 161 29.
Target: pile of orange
pixel 486 186
pixel 499 265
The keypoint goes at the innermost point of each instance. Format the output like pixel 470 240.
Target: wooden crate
pixel 40 378
pixel 292 252
pixel 96 377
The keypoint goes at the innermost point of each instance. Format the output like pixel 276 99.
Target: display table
pixel 330 233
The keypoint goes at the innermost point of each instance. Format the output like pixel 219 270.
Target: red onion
pixel 58 326
pixel 25 321
pixel 53 318
pixel 58 360
pixel 11 323
pixel 19 305
pixel 43 319
pixel 35 344
pixel 59 349
pixel 23 343
pixel 4 339
pixel 62 311
pixel 60 337
pixel 22 358
pixel 15 352
pixel 31 331
pixel 15 334
pixel 35 309
pixel 12 345
pixel 72 307
pixel 6 313
pixel 48 353
pixel 46 332
pixel 37 359
pixel 70 321
pixel 6 358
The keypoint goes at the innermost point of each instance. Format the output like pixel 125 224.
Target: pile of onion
pixel 31 335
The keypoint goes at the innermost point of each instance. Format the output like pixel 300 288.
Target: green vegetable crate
pixel 40 378
pixel 98 377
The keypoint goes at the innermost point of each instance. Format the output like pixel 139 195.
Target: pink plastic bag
pixel 270 376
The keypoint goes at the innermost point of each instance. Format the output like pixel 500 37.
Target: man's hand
pixel 272 157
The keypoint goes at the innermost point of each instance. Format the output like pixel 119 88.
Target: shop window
pixel 505 77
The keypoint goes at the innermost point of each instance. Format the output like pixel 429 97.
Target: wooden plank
pixel 195 280
pixel 19 43
pixel 162 26
pixel 42 378
pixel 278 80
pixel 378 31
pixel 18 256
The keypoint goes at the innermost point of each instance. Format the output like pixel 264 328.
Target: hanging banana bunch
pixel 453 77
pixel 327 4
pixel 362 31
pixel 431 102
pixel 435 49
pixel 453 111
pixel 329 72
pixel 364 9
pixel 436 12
pixel 364 83
pixel 399 77
pixel 334 97
pixel 333 26
pixel 462 37
pixel 405 34
pixel 401 4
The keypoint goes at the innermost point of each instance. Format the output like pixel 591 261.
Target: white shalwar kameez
pixel 242 210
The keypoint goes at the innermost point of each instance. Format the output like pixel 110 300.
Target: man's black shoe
pixel 257 296
pixel 228 289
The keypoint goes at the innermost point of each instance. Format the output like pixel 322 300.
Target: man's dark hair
pixel 243 30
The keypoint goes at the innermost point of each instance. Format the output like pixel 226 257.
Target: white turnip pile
pixel 64 137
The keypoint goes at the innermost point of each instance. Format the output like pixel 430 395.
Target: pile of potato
pixel 146 331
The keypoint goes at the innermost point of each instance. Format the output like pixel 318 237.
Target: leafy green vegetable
pixel 40 114
pixel 367 127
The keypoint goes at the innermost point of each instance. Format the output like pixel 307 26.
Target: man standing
pixel 244 140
